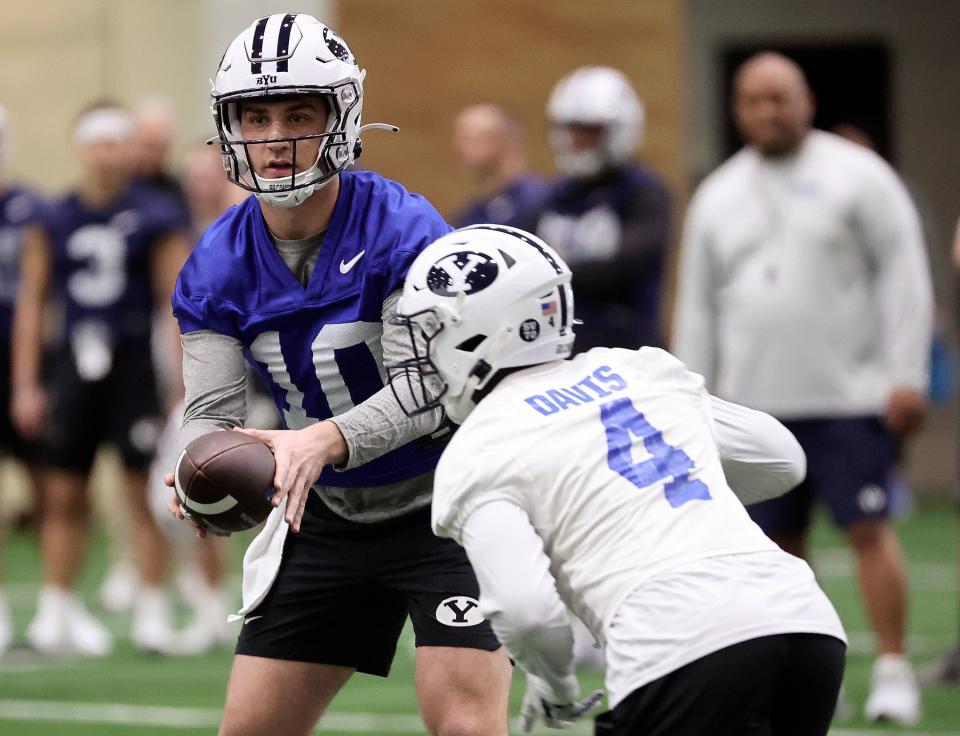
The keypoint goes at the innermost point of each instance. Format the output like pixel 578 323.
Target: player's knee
pixel 66 504
pixel 867 534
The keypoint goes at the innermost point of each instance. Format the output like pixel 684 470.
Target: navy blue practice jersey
pixel 613 231
pixel 317 347
pixel 508 207
pixel 102 259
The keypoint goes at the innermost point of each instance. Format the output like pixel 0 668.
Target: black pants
pixel 785 685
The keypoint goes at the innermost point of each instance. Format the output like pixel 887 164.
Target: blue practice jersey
pixel 509 207
pixel 317 347
pixel 19 208
pixel 102 259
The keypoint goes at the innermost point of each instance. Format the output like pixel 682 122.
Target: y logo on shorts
pixel 459 610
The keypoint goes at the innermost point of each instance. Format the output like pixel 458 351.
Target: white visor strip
pixel 105 124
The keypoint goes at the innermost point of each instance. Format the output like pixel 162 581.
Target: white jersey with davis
pixel 612 456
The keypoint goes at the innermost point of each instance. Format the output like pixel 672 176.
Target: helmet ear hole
pixel 471 343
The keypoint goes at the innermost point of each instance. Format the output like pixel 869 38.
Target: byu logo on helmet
pixel 465 271
pixel 459 610
pixel 338 47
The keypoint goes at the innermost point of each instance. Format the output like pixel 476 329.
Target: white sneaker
pixel 188 581
pixel 894 695
pixel 118 592
pixel 6 624
pixel 208 628
pixel 48 632
pixel 151 628
pixel 88 636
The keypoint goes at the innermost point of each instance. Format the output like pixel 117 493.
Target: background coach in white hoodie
pixel 804 292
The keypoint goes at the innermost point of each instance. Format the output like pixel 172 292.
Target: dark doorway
pixel 851 81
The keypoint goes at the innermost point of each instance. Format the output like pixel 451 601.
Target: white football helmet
pixel 595 96
pixel 475 302
pixel 282 56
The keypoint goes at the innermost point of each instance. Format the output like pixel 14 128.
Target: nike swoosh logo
pixel 248 619
pixel 345 266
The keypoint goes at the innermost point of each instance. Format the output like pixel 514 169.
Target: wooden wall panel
pixel 50 66
pixel 426 59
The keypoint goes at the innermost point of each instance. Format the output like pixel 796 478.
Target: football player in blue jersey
pixel 299 279
pixel 113 254
pixel 21 212
pixel 608 216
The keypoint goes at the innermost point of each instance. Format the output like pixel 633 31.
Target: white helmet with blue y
pixel 476 302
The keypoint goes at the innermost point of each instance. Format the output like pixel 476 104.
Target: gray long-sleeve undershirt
pixel 215 384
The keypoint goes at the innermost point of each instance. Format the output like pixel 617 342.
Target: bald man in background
pixel 488 141
pixel 804 292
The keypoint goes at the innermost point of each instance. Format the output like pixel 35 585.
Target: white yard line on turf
pixel 831 563
pixel 183 717
pixel 115 713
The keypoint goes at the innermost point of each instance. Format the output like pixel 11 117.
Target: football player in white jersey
pixel 612 484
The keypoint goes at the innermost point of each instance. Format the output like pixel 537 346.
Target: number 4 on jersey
pixel 623 422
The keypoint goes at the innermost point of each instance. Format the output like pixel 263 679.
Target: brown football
pixel 224 481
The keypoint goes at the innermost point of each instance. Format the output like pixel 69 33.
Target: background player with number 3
pixel 298 279
pixel 113 253
pixel 609 484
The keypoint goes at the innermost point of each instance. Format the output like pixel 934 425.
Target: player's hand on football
pixel 554 715
pixel 28 410
pixel 906 410
pixel 174 507
pixel 300 454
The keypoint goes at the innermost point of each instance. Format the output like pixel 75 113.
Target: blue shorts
pixel 849 462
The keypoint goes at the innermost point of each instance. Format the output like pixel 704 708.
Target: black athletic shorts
pixel 121 409
pixel 344 591
pixel 785 685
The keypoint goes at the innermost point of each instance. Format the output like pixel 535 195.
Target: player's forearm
pixel 214 382
pixel 544 653
pixel 25 369
pixel 378 425
pixel 27 342
pixel 906 313
pixel 518 596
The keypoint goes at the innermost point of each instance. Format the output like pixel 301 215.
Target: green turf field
pixel 130 693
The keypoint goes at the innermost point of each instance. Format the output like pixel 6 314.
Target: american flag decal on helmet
pixel 548 308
